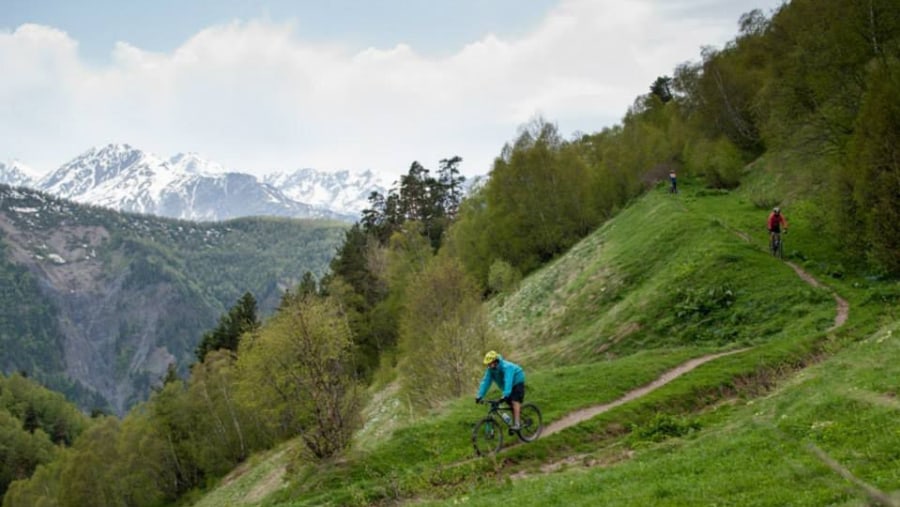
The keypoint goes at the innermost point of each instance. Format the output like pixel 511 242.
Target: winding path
pixel 584 414
pixel 843 307
pixel 841 314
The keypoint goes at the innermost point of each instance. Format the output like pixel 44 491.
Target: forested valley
pixel 808 93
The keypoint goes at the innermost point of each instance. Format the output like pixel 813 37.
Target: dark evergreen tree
pixel 240 319
pixel 662 88
pixel 307 285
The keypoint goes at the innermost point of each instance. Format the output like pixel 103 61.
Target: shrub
pixel 662 427
pixel 503 277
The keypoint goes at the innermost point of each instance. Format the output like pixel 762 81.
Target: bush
pixel 502 277
pixel 720 162
pixel 662 427
pixel 701 302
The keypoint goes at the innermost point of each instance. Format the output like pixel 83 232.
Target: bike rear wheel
pixel 532 423
pixel 487 437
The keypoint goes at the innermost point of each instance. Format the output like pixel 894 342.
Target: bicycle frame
pixel 498 408
pixel 487 436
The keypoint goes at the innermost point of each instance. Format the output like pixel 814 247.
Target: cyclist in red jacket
pixel 776 222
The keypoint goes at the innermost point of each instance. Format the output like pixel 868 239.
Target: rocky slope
pixel 126 295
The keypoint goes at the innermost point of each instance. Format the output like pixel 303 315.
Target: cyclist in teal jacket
pixel 509 377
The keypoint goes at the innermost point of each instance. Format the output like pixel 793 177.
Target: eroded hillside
pixel 124 296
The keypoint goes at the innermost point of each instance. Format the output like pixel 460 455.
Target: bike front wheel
pixel 487 437
pixel 532 423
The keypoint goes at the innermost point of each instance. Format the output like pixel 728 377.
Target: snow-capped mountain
pixel 189 187
pixel 341 191
pixel 192 163
pixel 16 174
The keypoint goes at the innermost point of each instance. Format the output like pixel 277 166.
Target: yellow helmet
pixel 490 357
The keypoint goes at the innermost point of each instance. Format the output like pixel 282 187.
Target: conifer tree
pixel 240 319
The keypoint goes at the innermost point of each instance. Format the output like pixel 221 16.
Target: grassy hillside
pixel 806 400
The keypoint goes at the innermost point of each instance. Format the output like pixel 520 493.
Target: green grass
pixel 669 279
pixel 759 452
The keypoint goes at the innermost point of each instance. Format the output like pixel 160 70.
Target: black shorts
pixel 517 393
pixel 776 229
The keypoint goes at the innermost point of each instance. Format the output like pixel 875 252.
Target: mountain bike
pixel 487 436
pixel 776 244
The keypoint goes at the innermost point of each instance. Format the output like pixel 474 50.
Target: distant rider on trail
pixel 509 377
pixel 775 223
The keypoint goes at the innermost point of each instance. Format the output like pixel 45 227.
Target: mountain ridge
pixel 189 187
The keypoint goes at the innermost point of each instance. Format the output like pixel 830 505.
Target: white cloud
pixel 256 97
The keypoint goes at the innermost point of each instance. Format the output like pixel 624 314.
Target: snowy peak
pixel 343 191
pixel 191 187
pixel 192 163
pixel 185 186
pixel 98 167
pixel 116 176
pixel 17 174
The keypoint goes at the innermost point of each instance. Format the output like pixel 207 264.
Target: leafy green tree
pixel 469 240
pixel 357 284
pixel 443 332
pixel 21 451
pixel 533 207
pixel 874 166
pixel 142 469
pixel 719 161
pixel 40 490
pixel 298 373
pixel 85 475
pixel 227 428
pixel 41 409
pixel 180 426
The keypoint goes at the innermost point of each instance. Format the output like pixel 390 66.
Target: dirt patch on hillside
pixel 274 480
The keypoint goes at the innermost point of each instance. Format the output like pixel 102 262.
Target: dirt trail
pixel 843 307
pixel 587 413
pixel 841 315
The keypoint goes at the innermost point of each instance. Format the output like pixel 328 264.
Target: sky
pixel 261 86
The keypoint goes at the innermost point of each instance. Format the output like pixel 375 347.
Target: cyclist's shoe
pixel 515 427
